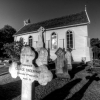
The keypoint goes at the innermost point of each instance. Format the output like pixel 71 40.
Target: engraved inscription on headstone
pixel 29 73
pixel 27 70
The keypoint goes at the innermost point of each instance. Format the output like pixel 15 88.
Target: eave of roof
pixel 54 28
pixel 66 21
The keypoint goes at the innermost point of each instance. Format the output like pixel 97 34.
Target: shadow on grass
pixel 10 90
pixel 78 95
pixel 61 93
pixel 75 69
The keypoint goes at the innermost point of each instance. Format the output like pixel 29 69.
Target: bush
pixel 13 50
pixel 95 63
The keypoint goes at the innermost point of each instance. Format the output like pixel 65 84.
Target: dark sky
pixel 14 12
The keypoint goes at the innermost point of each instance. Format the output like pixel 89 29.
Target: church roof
pixel 68 20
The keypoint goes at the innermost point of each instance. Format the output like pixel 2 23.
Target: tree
pixel 95 42
pixel 13 50
pixel 6 36
pixel 7 33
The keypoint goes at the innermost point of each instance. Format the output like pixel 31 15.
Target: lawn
pixel 82 86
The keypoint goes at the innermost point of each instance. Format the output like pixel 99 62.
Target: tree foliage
pixel 7 33
pixel 95 42
pixel 6 36
pixel 13 50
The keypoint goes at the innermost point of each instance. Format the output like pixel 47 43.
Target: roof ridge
pixel 69 19
pixel 56 18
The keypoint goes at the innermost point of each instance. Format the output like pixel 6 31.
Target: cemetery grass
pixel 82 86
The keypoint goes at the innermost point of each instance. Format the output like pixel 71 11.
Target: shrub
pixel 13 50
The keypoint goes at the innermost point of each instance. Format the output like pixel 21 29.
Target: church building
pixel 67 31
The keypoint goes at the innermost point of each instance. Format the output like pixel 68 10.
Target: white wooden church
pixel 67 31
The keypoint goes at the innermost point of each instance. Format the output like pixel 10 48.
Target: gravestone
pixel 45 75
pixel 28 72
pixel 69 59
pixel 61 64
pixel 43 57
pixel 40 42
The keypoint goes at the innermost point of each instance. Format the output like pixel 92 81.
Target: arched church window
pixel 30 41
pixel 53 40
pixel 69 36
pixel 21 40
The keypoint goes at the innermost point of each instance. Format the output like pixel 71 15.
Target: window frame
pixel 30 41
pixel 70 40
pixel 56 38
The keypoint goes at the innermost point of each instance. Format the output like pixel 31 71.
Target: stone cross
pixel 59 61
pixel 40 42
pixel 61 64
pixel 69 59
pixel 28 73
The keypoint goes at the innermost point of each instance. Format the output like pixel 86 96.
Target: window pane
pixel 69 39
pixel 70 31
pixel 21 40
pixel 68 46
pixel 30 41
pixel 54 41
pixel 71 44
pixel 67 36
pixel 71 36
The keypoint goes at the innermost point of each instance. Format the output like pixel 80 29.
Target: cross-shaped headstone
pixel 40 42
pixel 61 64
pixel 60 60
pixel 28 73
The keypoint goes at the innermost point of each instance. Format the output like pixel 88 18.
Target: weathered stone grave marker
pixel 69 58
pixel 59 61
pixel 28 73
pixel 42 58
pixel 61 64
pixel 40 42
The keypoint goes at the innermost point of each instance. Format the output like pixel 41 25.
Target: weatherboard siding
pixel 80 34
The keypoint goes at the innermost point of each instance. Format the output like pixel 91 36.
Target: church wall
pixel 25 38
pixel 80 40
pixel 81 44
